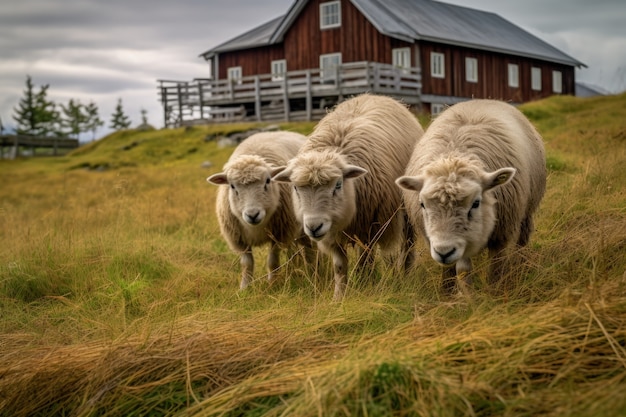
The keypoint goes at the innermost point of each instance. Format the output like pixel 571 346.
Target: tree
pixel 74 118
pixel 119 120
pixel 93 119
pixel 35 114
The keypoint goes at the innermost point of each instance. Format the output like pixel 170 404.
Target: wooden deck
pixel 298 96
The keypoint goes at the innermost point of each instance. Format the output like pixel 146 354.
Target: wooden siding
pixel 492 75
pixel 252 61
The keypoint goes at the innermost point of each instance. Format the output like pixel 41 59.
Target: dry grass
pixel 118 297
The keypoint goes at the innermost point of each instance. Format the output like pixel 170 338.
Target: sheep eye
pixel 267 181
pixel 476 204
pixel 232 186
pixel 338 185
pixel 422 205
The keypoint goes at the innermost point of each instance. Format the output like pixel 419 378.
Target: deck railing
pixel 263 97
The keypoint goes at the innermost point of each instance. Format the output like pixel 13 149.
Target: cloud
pixel 98 50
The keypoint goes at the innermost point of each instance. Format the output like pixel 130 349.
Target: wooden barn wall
pixel 492 75
pixel 252 61
pixel 357 39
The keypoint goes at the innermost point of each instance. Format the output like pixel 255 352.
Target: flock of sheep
pixel 368 173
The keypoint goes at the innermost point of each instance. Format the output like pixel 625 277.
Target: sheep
pixel 343 180
pixel 251 209
pixel 479 173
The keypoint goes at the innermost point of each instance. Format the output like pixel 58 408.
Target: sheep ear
pixel 498 177
pixel 281 174
pixel 410 183
pixel 218 179
pixel 353 171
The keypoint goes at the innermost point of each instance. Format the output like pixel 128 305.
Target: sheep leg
pixel 340 263
pixel 525 230
pixel 273 262
pixel 247 266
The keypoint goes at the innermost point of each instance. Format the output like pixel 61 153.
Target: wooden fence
pixel 16 142
pixel 298 95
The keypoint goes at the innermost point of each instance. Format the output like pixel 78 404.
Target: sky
pixel 104 50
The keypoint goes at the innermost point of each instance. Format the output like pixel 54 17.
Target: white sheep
pixel 343 179
pixel 251 209
pixel 474 181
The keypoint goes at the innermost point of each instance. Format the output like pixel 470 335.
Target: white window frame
pixel 535 78
pixel 330 15
pixel 471 69
pixel 513 70
pixel 234 75
pixel 557 82
pixel 279 69
pixel 437 65
pixel 328 66
pixel 436 109
pixel 401 58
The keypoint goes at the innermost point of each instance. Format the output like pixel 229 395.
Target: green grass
pixel 118 295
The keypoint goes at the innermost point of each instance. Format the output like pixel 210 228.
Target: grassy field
pixel 119 297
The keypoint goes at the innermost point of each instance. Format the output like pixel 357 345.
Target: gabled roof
pixel 259 36
pixel 425 20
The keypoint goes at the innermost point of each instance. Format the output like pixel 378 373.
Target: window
pixel 279 69
pixel 234 75
pixel 535 78
pixel 557 82
pixel 328 67
pixel 330 15
pixel 401 57
pixel 437 65
pixel 436 108
pixel 471 70
pixel 513 75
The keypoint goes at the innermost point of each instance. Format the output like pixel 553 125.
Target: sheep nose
pixel 253 217
pixel 444 256
pixel 315 229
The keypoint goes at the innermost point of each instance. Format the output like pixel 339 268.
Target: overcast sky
pixel 102 50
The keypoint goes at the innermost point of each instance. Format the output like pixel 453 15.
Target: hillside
pixel 118 295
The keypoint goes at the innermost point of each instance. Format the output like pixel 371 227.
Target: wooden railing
pixel 15 142
pixel 257 97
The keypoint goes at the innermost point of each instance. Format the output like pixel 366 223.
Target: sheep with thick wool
pixel 343 180
pixel 252 210
pixel 474 181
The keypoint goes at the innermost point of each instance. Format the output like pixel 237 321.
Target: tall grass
pixel 119 297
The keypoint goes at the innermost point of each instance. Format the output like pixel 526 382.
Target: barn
pixel 427 53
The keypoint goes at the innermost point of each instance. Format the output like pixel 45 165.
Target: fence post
pixel 309 97
pixel 286 98
pixel 257 98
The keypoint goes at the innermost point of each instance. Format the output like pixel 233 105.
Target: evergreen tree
pixel 48 117
pixel 144 117
pixel 119 120
pixel 93 119
pixel 74 118
pixel 25 112
pixel 35 114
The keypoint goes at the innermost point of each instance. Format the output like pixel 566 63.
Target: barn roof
pixel 426 20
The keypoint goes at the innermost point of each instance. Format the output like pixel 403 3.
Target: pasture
pixel 118 296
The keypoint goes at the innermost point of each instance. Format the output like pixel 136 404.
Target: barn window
pixel 535 78
pixel 328 67
pixel 437 65
pixel 557 82
pixel 234 75
pixel 330 15
pixel 513 75
pixel 471 70
pixel 401 57
pixel 279 69
pixel 436 108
